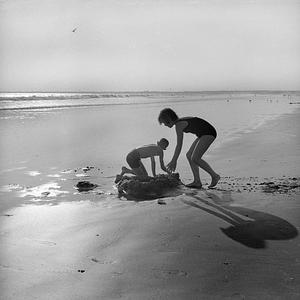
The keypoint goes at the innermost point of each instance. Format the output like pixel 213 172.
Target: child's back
pixel 149 150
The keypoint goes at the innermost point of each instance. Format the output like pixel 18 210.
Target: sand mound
pixel 145 188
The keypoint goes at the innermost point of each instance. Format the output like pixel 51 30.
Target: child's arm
pixel 179 131
pixel 153 166
pixel 162 165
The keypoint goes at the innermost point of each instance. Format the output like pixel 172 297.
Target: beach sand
pixel 237 241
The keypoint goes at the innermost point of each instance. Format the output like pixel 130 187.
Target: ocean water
pixel 25 101
pixel 31 101
pixel 231 112
pixel 47 139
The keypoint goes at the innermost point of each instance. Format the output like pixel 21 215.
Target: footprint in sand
pixel 103 262
pixel 48 243
pixel 54 175
pixel 82 175
pixel 33 173
pixel 11 187
pixel 117 273
pixel 169 273
pixel 68 171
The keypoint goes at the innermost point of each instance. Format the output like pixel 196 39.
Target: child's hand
pixel 168 172
pixel 171 166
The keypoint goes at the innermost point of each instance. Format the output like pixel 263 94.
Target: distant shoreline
pixel 162 92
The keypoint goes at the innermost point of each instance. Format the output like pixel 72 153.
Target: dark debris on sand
pixel 285 185
pixel 84 169
pixel 280 187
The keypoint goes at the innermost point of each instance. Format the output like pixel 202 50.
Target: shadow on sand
pixel 254 229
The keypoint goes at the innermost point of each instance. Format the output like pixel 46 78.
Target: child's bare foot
pixel 118 178
pixel 194 185
pixel 214 181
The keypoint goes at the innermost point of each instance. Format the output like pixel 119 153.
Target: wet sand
pixel 237 241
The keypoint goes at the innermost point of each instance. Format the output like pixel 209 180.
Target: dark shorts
pixel 133 159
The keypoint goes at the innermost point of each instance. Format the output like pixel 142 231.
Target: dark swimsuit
pixel 198 126
pixel 133 159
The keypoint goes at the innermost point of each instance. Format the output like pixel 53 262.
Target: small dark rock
pixel 85 186
pixel 81 271
pixel 161 202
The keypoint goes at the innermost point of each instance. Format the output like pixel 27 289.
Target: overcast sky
pixel 123 45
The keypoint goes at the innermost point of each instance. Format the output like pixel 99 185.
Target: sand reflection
pixel 50 189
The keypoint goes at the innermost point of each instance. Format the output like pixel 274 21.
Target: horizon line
pixel 160 91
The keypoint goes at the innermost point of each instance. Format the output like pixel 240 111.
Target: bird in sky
pixel 74 29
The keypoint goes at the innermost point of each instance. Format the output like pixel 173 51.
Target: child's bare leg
pixel 206 167
pixel 194 167
pixel 140 171
pixel 124 171
pixel 201 147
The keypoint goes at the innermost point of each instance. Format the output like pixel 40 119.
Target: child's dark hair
pixel 165 141
pixel 167 113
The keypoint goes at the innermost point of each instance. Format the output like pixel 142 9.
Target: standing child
pixel 134 159
pixel 205 133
